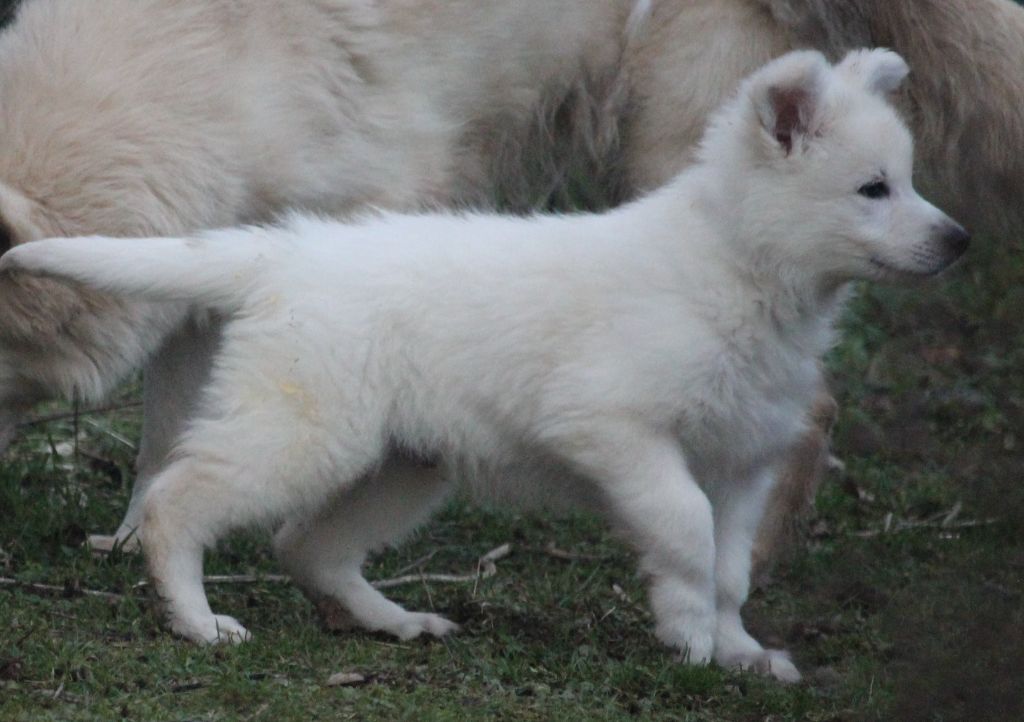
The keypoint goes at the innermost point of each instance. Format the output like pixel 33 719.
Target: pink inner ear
pixel 787 102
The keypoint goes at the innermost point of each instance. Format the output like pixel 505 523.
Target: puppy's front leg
pixel 655 501
pixel 324 554
pixel 738 509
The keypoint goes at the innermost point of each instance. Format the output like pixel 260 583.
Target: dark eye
pixel 877 189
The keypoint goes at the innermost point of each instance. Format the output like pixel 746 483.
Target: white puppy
pixel 659 358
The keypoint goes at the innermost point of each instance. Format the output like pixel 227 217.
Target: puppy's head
pixel 821 170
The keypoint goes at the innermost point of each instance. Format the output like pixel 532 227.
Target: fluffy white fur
pixel 662 356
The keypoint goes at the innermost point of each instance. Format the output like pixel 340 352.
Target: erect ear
pixel 880 71
pixel 788 94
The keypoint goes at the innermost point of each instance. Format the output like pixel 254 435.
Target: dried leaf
pixel 345 679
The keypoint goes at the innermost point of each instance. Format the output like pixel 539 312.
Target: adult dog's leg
pixel 172 382
pixel 654 500
pixel 738 510
pixel 324 554
pixel 792 496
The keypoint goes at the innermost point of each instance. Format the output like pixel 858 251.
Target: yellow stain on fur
pixel 306 404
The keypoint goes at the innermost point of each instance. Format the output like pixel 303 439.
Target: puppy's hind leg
pixel 324 555
pixel 738 510
pixel 653 498
pixel 183 513
pixel 217 484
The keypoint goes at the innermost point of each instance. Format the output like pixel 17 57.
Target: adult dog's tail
pixel 214 271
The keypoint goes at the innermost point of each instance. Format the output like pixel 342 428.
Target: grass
pixel 923 621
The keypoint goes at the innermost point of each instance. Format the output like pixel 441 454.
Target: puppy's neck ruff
pixel 752 287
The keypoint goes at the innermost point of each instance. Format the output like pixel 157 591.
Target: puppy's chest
pixel 748 410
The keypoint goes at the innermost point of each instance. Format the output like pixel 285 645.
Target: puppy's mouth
pixel 887 270
pixel 924 260
pixel 884 269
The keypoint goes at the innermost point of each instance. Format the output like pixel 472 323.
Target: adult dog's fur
pixel 662 357
pixel 130 117
pixel 153 117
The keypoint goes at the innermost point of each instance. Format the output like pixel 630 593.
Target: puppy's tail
pixel 214 271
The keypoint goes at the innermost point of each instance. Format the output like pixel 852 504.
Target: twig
pixel 81 412
pixel 900 526
pixel 952 514
pixel 552 551
pixel 229 579
pixel 939 520
pixel 50 589
pixel 499 552
pixel 416 578
pixel 111 433
pixel 430 597
pixel 418 563
pixel 485 568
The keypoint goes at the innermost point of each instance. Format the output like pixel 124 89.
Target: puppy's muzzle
pixel 954 239
pixel 949 240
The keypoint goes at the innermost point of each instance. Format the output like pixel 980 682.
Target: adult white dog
pixel 660 358
pixel 156 117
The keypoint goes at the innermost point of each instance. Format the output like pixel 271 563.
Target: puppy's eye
pixel 874 190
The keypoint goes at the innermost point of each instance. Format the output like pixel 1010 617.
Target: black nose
pixel 955 238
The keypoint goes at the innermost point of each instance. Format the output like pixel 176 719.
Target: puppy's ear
pixel 879 71
pixel 788 95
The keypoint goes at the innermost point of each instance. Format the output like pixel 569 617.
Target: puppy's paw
pixel 694 641
pixel 215 629
pixel 416 623
pixel 229 630
pixel 772 662
pixel 697 651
